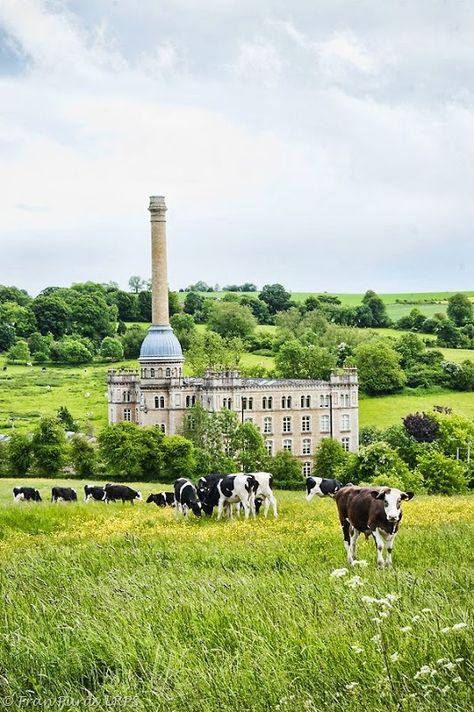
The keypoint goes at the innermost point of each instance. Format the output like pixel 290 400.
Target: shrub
pixel 424 428
pixel 83 457
pixel 286 470
pixel 379 368
pixel 441 474
pixel 48 448
pixel 329 458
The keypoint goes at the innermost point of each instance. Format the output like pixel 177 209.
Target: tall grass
pixel 102 602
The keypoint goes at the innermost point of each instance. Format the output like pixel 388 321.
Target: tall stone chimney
pixel 159 267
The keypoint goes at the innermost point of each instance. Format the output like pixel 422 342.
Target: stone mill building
pixel 291 414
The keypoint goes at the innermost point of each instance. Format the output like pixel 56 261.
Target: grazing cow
pixel 370 511
pixel 321 487
pixel 205 484
pixel 123 492
pixel 186 497
pixel 26 494
pixel 63 494
pixel 229 490
pixel 263 492
pixel 94 492
pixel 162 499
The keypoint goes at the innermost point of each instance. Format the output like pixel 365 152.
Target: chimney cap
pixel 157 202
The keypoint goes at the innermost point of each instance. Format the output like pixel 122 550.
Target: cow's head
pixel 392 499
pixel 139 497
pixel 152 498
pixel 37 496
pixel 196 507
pixel 313 488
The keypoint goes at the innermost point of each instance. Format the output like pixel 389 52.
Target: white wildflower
pixel 445 630
pixel 351 685
pixel 355 582
pixel 360 562
pixel 449 666
pixel 459 626
pixel 337 573
pixel 441 661
pixel 426 610
pixel 384 614
pixel 456 680
pixel 406 629
pixel 445 690
pixel 357 649
pixel 368 599
pixel 415 619
pixel 375 638
pixel 394 657
pixel 422 672
pixel 458 660
pixel 391 597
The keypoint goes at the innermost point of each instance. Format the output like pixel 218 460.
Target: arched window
pixel 264 402
pixel 162 401
pixel 168 372
pixel 188 401
pixel 157 402
pixel 270 402
pixel 308 401
pixel 152 373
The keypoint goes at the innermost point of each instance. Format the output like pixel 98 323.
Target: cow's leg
pixel 378 538
pixel 274 505
pixel 355 533
pixel 346 533
pixel 220 508
pixel 266 507
pixel 185 509
pixel 176 509
pixel 389 544
pixel 247 509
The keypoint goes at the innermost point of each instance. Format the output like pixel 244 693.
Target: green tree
pixel 377 307
pixel 7 336
pixel 136 284
pixel 294 360
pixel 251 454
pixel 329 458
pixel 379 368
pixel 193 303
pixel 144 306
pixel 52 314
pixel 179 459
pixel 19 455
pixel 230 320
pixel 275 297
pixel 463 378
pixel 441 474
pixel 286 471
pixel 19 352
pixel 70 350
pixel 83 457
pixel 127 306
pixel 92 316
pixel 174 305
pixel 121 450
pixel 48 448
pixel 410 347
pixel 258 308
pixel 381 464
pixel 13 294
pixel 39 343
pixel 132 340
pixel 448 335
pixel 21 318
pixel 66 420
pixel 460 309
pixel 152 453
pixel 111 349
pixel 184 328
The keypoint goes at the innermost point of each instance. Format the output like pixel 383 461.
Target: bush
pixel 329 458
pixel 424 428
pixel 441 474
pixel 379 368
pixel 83 457
pixel 111 349
pixel 286 471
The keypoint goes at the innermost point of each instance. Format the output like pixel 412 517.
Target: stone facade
pixel 291 414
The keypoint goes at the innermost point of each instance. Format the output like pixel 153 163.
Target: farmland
pixel 124 602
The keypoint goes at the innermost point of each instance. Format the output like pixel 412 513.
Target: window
pixel 126 396
pixel 306 449
pixel 168 372
pixel 244 403
pixel 269 447
pixel 286 402
pixel 345 422
pixel 267 402
pixel 178 399
pixel 250 403
pixel 345 399
pixel 127 414
pixel 270 402
pixel 188 401
pixel 248 420
pixel 306 423
pixel 324 421
pixel 226 403
pixel 152 373
pixel 163 428
pixel 306 469
pixel 159 401
pixel 345 442
pixel 287 424
pixel 267 425
pixel 193 400
pixel 288 445
pixel 306 401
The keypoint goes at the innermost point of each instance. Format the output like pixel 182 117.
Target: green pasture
pixel 119 602
pixel 389 410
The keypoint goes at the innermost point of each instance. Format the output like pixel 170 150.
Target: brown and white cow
pixel 372 511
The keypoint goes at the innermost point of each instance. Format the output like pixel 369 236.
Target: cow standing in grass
pixel 185 497
pixel 26 494
pixel 63 494
pixel 123 492
pixel 370 511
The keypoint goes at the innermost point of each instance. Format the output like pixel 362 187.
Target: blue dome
pixel 160 344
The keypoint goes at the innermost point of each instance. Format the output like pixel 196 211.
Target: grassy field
pixel 389 410
pixel 103 603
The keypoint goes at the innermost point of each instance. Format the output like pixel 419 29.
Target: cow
pixel 263 492
pixel 162 499
pixel 372 511
pixel 94 492
pixel 26 494
pixel 205 484
pixel 321 487
pixel 123 492
pixel 63 494
pixel 229 490
pixel 186 497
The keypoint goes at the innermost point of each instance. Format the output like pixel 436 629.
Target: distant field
pixel 388 410
pixel 118 602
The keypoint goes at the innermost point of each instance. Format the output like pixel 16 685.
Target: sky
pixel 324 144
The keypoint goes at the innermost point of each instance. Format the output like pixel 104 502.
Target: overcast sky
pixel 324 144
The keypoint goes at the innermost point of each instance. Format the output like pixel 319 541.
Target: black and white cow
pixel 26 494
pixel 123 492
pixel 229 490
pixel 162 499
pixel 263 492
pixel 370 511
pixel 321 487
pixel 205 484
pixel 63 494
pixel 94 492
pixel 186 497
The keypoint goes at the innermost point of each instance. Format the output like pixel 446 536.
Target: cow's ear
pixel 378 494
pixel 407 495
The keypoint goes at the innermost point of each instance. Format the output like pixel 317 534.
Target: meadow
pixel 104 603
